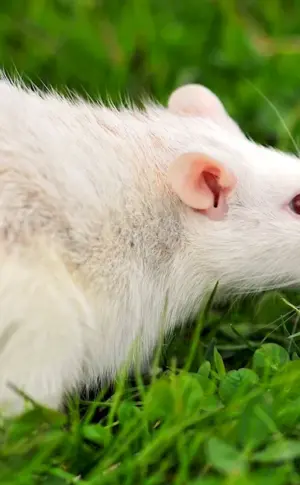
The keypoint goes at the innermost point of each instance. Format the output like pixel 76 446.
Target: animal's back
pixel 77 260
pixel 94 242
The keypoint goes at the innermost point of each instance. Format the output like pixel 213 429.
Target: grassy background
pixel 151 46
pixel 200 420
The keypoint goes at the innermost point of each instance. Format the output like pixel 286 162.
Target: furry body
pixel 94 240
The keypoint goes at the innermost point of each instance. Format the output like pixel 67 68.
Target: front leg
pixel 42 318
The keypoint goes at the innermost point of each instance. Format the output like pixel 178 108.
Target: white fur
pixel 94 244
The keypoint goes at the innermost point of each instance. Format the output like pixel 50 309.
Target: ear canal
pixel 199 181
pixel 213 183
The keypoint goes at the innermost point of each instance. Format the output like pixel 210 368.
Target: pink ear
pixel 196 100
pixel 201 183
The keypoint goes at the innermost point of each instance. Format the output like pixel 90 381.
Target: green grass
pixel 223 405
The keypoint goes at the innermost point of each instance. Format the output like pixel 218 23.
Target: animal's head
pixel 240 202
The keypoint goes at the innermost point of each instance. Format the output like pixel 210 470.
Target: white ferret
pixel 106 214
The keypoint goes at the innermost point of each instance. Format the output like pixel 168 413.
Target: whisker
pixel 273 107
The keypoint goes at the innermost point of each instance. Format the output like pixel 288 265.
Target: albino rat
pixel 106 215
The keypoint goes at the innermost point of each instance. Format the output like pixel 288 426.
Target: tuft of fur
pixel 94 242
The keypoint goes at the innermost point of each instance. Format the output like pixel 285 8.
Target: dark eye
pixel 295 204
